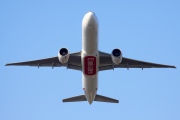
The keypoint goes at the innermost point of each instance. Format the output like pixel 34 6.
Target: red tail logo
pixel 90 65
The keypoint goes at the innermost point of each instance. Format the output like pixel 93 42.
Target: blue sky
pixel 143 30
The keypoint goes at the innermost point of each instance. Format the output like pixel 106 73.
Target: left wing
pixel 74 62
pixel 107 64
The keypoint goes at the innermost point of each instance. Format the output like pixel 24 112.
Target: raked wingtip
pixel 173 67
pixel 8 64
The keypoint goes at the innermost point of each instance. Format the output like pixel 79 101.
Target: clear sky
pixel 143 30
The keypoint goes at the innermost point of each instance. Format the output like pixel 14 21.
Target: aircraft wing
pixel 107 64
pixel 74 62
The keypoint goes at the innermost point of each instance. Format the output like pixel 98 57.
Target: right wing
pixel 107 64
pixel 74 62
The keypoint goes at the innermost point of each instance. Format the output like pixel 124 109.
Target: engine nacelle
pixel 116 56
pixel 63 55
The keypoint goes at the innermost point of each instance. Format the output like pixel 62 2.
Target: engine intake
pixel 63 55
pixel 116 56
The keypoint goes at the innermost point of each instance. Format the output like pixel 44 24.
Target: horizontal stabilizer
pixel 75 99
pixel 98 98
pixel 101 98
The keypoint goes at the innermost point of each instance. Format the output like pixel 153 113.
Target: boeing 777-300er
pixel 90 61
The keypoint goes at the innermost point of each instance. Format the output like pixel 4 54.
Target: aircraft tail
pixel 75 99
pixel 101 98
pixel 98 98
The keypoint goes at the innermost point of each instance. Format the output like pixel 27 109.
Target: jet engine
pixel 63 55
pixel 116 56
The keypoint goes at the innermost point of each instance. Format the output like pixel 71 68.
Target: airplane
pixel 90 61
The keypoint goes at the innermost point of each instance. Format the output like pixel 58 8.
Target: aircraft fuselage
pixel 90 56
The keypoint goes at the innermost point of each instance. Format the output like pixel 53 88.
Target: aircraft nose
pixel 90 19
pixel 91 15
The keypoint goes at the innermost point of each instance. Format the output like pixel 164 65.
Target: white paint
pixel 90 48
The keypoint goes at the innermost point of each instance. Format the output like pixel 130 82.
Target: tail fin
pixel 101 98
pixel 98 98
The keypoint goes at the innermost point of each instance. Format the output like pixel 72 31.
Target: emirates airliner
pixel 90 61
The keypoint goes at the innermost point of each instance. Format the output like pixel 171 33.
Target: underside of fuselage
pixel 90 56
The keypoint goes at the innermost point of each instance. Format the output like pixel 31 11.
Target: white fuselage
pixel 90 56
